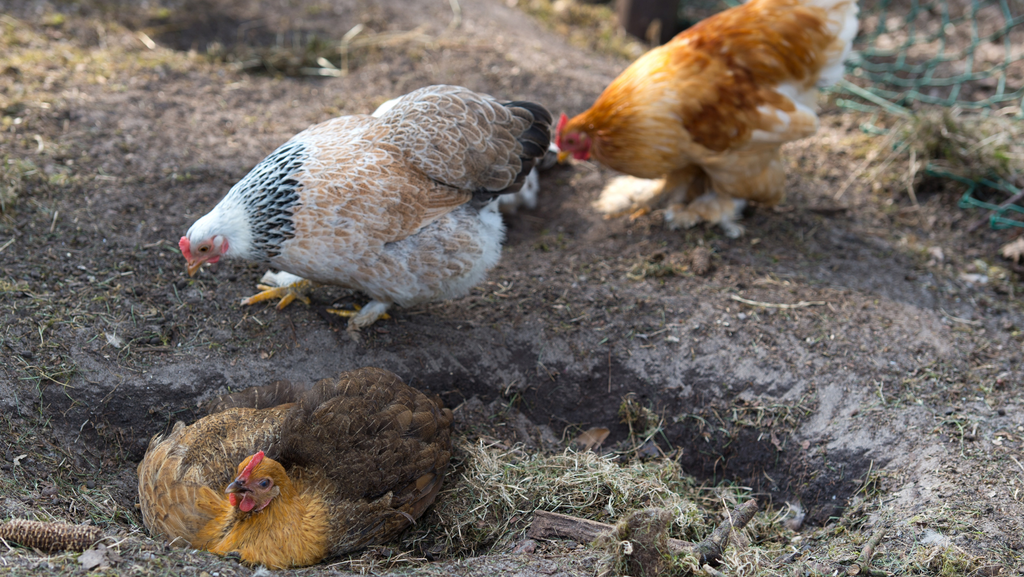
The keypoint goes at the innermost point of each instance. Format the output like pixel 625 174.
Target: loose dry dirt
pixel 892 397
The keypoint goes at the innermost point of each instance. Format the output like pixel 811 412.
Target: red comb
pixel 562 121
pixel 253 463
pixel 183 244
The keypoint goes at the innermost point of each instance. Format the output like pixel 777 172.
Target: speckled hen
pixel 400 206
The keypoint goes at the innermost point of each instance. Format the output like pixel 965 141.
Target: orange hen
pixel 285 475
pixel 707 113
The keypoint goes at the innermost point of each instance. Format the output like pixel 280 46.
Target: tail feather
pixel 842 21
pixel 537 137
pixel 535 140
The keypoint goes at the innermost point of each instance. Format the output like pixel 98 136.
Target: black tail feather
pixel 535 141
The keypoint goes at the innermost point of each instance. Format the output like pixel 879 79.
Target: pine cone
pixel 50 536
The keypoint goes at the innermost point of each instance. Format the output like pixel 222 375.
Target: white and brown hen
pixel 401 207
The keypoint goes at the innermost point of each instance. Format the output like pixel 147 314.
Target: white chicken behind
pixel 401 206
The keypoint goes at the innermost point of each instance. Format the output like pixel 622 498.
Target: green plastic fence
pixel 914 54
pixel 965 53
pixel 943 53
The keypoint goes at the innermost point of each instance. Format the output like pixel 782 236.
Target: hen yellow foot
pixel 642 211
pixel 711 207
pixel 284 286
pixel 363 316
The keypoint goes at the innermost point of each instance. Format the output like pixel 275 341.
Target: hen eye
pixel 264 483
pixel 204 248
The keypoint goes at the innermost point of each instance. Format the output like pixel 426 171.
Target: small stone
pixel 700 261
pixel 527 546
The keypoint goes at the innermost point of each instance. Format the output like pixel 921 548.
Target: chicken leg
pixel 289 287
pixel 282 285
pixel 363 316
pixel 638 196
pixel 713 207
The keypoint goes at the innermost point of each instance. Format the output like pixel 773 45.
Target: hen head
pixel 259 480
pixel 208 250
pixel 571 141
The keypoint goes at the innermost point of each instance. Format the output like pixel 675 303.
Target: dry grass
pixel 498 489
pixel 968 145
pixel 494 491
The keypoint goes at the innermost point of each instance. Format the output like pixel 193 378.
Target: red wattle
pixel 247 504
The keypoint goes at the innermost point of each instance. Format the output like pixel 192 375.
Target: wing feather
pixel 468 140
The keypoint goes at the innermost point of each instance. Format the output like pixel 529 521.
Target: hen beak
pixel 563 155
pixel 193 266
pixel 236 486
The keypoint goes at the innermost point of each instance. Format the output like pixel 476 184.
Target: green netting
pixel 1001 214
pixel 966 53
pixel 916 56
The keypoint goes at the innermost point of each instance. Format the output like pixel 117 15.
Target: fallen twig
pixel 798 305
pixel 962 321
pixel 547 525
pixel 710 550
pixel 862 566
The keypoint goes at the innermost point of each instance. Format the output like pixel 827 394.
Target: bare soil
pixel 889 396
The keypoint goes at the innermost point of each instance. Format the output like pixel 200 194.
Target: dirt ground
pixel 889 396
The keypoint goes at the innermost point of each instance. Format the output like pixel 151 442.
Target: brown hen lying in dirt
pixel 286 475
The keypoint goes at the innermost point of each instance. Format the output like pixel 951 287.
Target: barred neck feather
pixel 256 214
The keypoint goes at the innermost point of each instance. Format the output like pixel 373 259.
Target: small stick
pixel 862 566
pixel 798 305
pixel 911 173
pixel 609 370
pixel 53 223
pixel 456 14
pixel 547 525
pixel 1018 462
pixel 710 550
pixel 960 320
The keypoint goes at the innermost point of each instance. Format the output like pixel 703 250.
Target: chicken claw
pixel 363 316
pixel 643 210
pixel 284 286
pixel 711 207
